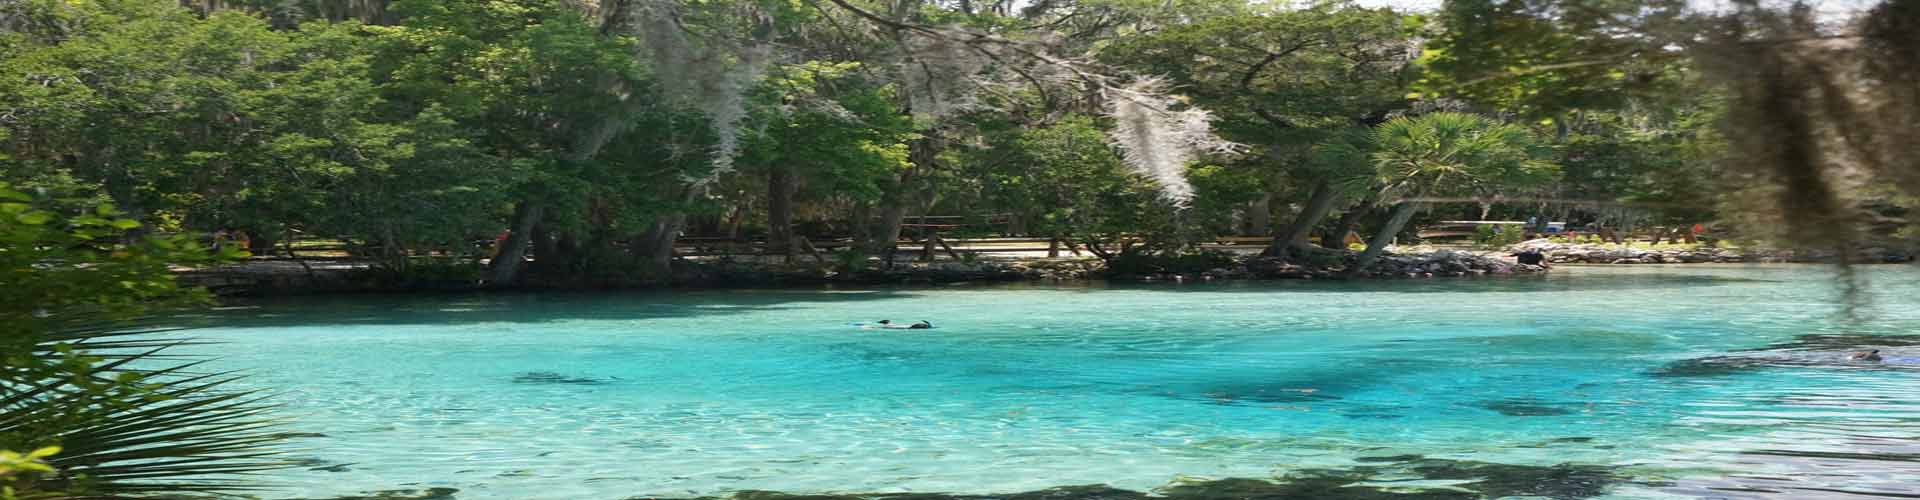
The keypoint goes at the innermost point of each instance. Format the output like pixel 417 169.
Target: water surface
pixel 1677 382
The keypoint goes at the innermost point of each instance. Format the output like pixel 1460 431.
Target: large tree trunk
pixel 546 248
pixel 1296 233
pixel 1260 216
pixel 513 252
pixel 780 190
pixel 1337 238
pixel 656 247
pixel 893 209
pixel 886 231
pixel 1401 214
pixel 731 227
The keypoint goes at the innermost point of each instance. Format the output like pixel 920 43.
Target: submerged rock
pixel 1403 477
pixel 1525 407
pixel 407 494
pixel 553 378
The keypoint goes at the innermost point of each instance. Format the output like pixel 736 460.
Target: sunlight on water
pixel 1685 382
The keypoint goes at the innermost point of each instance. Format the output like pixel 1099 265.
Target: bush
pixel 1498 237
pixel 429 272
pixel 850 260
pixel 1135 262
pixel 79 421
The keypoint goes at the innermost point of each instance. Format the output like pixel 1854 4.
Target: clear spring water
pixel 609 396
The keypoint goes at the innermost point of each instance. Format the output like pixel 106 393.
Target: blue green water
pixel 608 396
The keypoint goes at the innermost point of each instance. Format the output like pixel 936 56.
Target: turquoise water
pixel 1679 382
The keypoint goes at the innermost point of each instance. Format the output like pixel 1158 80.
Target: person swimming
pixel 1869 355
pixel 887 324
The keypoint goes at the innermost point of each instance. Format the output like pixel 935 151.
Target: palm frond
pixel 169 428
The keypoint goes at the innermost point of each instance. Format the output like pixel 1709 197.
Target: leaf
pixel 33 218
pixel 125 223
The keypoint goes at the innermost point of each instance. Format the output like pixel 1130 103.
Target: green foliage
pixel 78 386
pixel 1540 60
pixel 1498 236
pixel 831 127
pixel 1281 75
pixel 1457 154
pixel 850 260
pixel 1138 262
pixel 422 273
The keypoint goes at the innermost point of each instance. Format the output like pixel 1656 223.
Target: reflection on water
pixel 1598 383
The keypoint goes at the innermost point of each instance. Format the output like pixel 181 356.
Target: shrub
pixel 79 419
pixel 1136 262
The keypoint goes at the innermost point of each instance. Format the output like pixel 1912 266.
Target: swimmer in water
pixel 887 324
pixel 1870 356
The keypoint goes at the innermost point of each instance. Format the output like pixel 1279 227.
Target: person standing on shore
pixel 1532 257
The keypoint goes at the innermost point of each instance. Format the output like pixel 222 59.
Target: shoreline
pixel 300 277
pixel 287 277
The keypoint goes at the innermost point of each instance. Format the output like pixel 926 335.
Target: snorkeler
pixel 1871 355
pixel 887 324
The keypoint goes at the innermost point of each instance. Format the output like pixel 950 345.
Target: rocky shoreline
pixel 282 277
pixel 1588 253
pixel 271 277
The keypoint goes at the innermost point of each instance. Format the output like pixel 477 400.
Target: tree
pixel 826 129
pixel 1450 154
pixel 1816 102
pixel 1286 79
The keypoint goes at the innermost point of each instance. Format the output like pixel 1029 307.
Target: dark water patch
pixel 554 378
pixel 334 468
pixel 1393 459
pixel 1471 480
pixel 1259 395
pixel 1843 341
pixel 406 494
pixel 1809 350
pixel 1564 341
pixel 1525 407
pixel 1711 366
pixel 1839 455
pixel 1859 493
pixel 1563 481
pixel 1716 366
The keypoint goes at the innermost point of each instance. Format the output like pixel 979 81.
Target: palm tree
pixel 1447 154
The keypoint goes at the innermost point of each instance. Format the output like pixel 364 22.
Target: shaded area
pixel 467 308
pixel 401 494
pixel 1408 477
pixel 1526 407
pixel 554 378
pixel 1544 282
pixel 1839 341
pixel 1810 350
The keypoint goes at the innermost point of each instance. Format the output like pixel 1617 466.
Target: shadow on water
pixel 1804 351
pixel 1411 478
pixel 522 307
pixel 1485 284
pixel 537 307
pixel 1407 477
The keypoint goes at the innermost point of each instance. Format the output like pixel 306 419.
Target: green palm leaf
pixel 171 430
